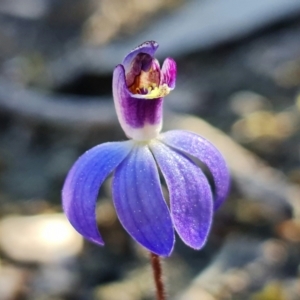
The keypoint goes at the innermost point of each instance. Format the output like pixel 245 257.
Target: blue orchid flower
pixel 139 85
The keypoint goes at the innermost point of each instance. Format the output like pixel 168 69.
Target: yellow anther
pixel 158 92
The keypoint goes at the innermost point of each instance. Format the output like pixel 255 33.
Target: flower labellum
pixel 139 86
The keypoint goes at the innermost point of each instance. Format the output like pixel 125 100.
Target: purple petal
pixel 140 204
pixel 203 150
pixel 135 114
pixel 168 73
pixel 148 47
pixel 82 184
pixel 190 195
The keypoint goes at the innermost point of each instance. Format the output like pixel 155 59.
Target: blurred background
pixel 238 85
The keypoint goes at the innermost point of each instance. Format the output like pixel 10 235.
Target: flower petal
pixel 190 195
pixel 82 184
pixel 139 118
pixel 140 204
pixel 203 150
pixel 168 73
pixel 149 47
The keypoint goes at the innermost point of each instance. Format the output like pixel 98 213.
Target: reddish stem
pixel 157 273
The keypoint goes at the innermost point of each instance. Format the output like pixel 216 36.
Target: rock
pixel 244 102
pixel 54 280
pixel 11 280
pixel 42 238
pixel 138 284
pixel 241 265
pixel 264 124
pixel 30 9
pixel 196 294
pixel 290 230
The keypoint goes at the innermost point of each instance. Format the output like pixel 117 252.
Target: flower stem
pixel 157 273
